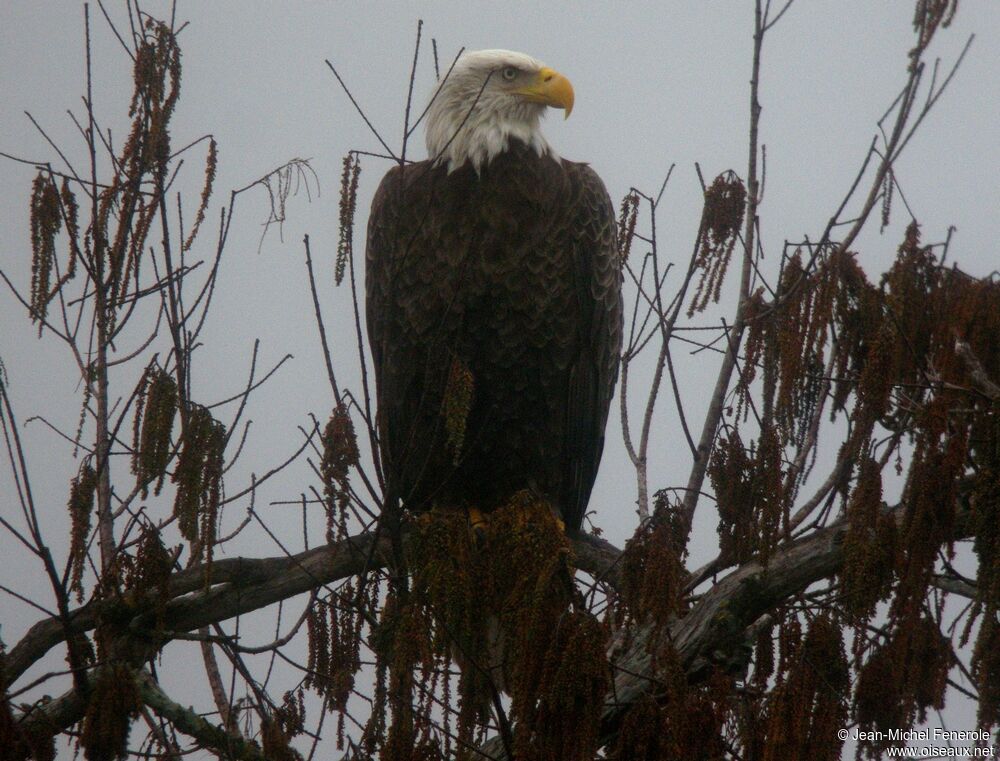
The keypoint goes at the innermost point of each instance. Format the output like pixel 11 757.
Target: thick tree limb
pixel 722 613
pixel 982 380
pixel 716 625
pixel 193 725
pixel 717 621
pixel 242 585
pixel 69 709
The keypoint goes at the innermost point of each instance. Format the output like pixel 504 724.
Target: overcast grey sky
pixel 657 84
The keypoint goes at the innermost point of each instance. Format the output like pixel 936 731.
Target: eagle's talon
pixel 477 526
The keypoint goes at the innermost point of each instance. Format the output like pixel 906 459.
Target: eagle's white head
pixel 489 98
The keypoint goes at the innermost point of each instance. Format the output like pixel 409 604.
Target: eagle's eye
pixel 509 73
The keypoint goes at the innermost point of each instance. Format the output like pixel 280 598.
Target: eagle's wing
pixel 396 362
pixel 413 268
pixel 591 234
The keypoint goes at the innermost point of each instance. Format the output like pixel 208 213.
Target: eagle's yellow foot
pixel 477 525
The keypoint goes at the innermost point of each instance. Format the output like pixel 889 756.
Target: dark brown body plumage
pixel 511 277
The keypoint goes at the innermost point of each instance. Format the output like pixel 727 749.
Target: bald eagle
pixel 494 311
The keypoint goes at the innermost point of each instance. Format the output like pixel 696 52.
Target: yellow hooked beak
pixel 551 89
